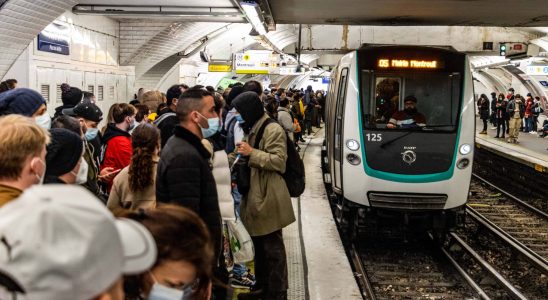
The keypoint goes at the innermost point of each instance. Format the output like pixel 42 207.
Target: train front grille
pixel 407 201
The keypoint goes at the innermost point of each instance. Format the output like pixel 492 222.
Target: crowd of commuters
pixel 511 114
pixel 137 207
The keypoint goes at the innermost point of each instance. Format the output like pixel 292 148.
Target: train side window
pixel 339 113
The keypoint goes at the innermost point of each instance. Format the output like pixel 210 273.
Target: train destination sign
pixel 408 63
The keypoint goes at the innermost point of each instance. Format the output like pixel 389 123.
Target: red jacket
pixel 116 151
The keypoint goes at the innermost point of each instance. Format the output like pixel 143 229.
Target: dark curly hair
pixel 145 140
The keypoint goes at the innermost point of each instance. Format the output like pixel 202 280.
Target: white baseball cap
pixel 61 242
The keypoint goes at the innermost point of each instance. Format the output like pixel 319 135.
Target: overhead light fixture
pixel 253 14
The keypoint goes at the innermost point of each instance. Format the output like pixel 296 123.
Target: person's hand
pixel 390 126
pixel 107 174
pixel 243 148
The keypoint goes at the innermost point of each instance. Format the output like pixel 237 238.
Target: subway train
pixel 399 136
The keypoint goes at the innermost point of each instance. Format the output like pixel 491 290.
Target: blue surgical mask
pixel 43 121
pixel 214 127
pixel 91 133
pixel 239 118
pixel 162 292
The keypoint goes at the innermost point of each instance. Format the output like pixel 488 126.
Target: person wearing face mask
pixel 116 150
pixel 501 115
pixel 266 208
pixel 25 102
pixel 64 161
pixel 409 117
pixel 22 155
pixel 182 270
pixel 184 176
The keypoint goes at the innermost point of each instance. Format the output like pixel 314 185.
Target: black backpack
pixel 294 175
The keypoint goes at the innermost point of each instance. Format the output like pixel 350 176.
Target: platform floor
pixel 317 263
pixel 531 149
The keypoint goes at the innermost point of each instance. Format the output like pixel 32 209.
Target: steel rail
pixel 361 274
pixel 514 198
pixel 534 258
pixel 512 291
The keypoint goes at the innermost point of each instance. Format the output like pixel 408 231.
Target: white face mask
pixel 43 121
pixel 82 175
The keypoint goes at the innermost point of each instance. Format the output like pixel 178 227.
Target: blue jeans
pixel 238 269
pixel 528 124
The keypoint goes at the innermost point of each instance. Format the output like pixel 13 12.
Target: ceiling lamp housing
pixel 254 16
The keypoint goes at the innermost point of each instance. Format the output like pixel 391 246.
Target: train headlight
pixel 353 159
pixel 465 149
pixel 463 163
pixel 353 145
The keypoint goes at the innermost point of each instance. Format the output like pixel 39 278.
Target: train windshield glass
pixel 427 101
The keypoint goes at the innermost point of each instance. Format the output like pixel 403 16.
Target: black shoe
pixel 502 137
pixel 302 140
pixel 253 295
pixel 496 136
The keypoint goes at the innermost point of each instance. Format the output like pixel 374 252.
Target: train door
pixel 339 130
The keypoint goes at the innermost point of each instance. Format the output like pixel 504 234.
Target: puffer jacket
pixel 512 107
pixel 267 206
pixel 184 178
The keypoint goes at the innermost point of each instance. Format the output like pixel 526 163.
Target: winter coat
pixel 529 107
pixel 117 150
pixel 267 206
pixel 512 106
pixel 286 120
pixel 184 178
pixel 122 197
pixel 500 109
pixel 166 125
pixel 8 193
pixel 483 107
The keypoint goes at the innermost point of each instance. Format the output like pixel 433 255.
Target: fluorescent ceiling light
pixel 252 11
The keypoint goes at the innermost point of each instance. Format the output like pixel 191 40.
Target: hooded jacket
pixel 267 206
pixel 116 151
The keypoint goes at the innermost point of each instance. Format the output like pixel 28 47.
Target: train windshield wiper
pixel 387 143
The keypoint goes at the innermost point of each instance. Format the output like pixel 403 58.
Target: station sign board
pixel 55 38
pixel 257 62
pixel 218 67
pixel 537 70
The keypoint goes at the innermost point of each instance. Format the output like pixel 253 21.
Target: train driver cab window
pixel 427 101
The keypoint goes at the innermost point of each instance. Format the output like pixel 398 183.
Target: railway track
pixel 515 221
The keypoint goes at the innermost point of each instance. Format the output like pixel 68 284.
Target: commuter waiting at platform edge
pixel 60 242
pixel 516 112
pixel 266 208
pixel 409 117
pixel 22 155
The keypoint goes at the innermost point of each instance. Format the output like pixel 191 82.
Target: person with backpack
pixel 266 207
pixel 285 119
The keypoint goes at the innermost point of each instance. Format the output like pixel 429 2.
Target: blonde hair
pixel 152 99
pixel 20 137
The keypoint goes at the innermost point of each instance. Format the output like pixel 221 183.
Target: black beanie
pixel 250 107
pixel 64 152
pixel 234 92
pixel 70 95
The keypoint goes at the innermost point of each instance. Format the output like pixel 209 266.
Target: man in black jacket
pixel 184 174
pixel 167 121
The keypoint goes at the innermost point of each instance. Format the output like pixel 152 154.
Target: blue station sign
pixel 55 38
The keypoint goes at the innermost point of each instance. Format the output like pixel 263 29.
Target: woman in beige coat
pixel 135 186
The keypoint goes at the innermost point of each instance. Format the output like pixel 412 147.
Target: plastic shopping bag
pixel 240 242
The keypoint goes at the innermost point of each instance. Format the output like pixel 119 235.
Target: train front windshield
pixel 403 92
